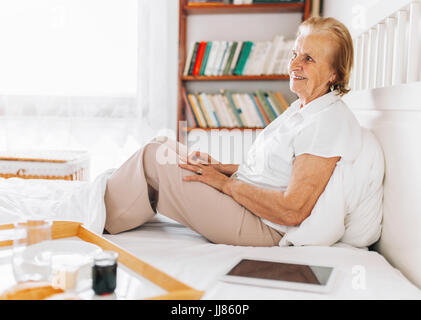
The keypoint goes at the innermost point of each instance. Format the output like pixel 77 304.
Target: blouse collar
pixel 316 105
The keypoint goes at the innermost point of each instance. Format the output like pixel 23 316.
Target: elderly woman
pixel 286 171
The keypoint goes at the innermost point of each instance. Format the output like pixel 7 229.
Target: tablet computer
pixel 281 274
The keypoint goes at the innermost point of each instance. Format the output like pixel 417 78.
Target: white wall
pixel 359 15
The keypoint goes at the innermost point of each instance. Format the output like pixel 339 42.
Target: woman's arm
pixel 309 178
pixel 310 175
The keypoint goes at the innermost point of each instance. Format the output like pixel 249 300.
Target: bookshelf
pixel 199 10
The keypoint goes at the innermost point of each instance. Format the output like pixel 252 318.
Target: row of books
pixel 233 110
pixel 242 1
pixel 217 58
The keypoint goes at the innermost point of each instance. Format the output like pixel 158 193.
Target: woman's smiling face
pixel 310 67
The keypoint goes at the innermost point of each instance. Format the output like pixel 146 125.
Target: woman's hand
pixel 206 174
pixel 197 157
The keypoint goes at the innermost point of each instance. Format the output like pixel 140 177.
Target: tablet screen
pixel 282 271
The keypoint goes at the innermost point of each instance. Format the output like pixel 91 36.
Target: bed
pixel 389 270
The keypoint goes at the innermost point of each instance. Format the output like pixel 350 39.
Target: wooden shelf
pixel 201 8
pixel 235 78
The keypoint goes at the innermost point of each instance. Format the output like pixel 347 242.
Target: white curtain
pixel 95 75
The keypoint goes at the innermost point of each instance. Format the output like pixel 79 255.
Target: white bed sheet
pixel 189 257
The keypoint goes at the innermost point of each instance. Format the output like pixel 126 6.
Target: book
pixel 284 104
pixel 280 63
pixel 224 57
pixel 189 58
pixel 240 107
pixel 206 113
pixel 247 63
pixel 229 117
pixel 270 105
pixel 261 57
pixel 261 109
pixel 191 117
pixel 236 55
pixel 277 58
pixel 225 110
pixel 270 58
pixel 219 112
pixel 253 119
pixel 253 112
pixel 282 58
pixel 257 58
pixel 205 58
pixel 230 111
pixel 266 107
pixel 258 119
pixel 197 111
pixel 199 58
pixel 212 56
pixel 276 102
pixel 234 109
pixel 227 66
pixel 251 59
pixel 245 118
pixel 243 57
pixel 193 59
pixel 211 109
pixel 259 113
pixel 218 57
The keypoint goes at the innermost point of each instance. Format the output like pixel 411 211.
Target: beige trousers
pixel 150 181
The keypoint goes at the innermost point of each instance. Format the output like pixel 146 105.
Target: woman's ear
pixel 332 78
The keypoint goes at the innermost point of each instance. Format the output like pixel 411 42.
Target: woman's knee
pixel 157 154
pixel 165 150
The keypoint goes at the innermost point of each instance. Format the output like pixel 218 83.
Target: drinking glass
pixel 31 258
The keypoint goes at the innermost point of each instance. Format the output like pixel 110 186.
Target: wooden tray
pixel 176 289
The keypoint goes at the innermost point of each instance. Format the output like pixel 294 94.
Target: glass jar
pixel 104 273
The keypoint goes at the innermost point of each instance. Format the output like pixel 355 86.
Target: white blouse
pixel 325 127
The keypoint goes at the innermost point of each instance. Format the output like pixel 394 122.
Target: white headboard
pixel 393 114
